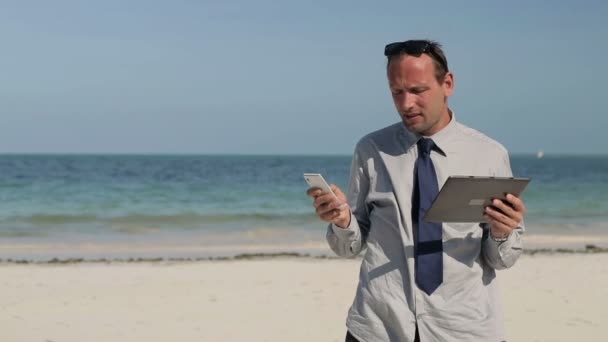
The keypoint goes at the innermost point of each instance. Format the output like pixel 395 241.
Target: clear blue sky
pixel 264 77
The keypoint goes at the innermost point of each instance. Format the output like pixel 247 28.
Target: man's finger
pixel 330 215
pixel 324 209
pixel 505 208
pixel 499 217
pixel 516 203
pixel 510 210
pixel 336 190
pixel 314 192
pixel 323 200
pixel 327 204
pixel 499 228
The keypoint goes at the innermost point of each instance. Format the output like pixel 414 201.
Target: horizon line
pixel 297 154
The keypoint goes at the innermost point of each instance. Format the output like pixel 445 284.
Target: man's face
pixel 419 98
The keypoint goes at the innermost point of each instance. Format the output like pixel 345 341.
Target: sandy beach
pixel 547 297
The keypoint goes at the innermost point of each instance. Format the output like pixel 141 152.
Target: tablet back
pixel 463 198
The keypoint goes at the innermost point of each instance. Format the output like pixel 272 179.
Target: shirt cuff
pixel 347 232
pixel 503 247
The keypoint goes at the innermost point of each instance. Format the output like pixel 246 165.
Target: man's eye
pixel 397 92
pixel 417 90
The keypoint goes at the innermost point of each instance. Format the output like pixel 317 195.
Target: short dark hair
pixel 418 47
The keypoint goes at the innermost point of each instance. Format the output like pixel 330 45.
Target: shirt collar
pixel 440 138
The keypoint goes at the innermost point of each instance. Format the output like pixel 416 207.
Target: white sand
pixel 559 297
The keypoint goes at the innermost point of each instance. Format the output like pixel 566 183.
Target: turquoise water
pixel 109 196
pixel 97 197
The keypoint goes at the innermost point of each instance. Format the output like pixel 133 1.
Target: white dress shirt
pixel 388 305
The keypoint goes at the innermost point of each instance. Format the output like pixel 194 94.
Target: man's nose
pixel 409 102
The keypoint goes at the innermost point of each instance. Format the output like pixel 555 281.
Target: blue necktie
pixel 428 235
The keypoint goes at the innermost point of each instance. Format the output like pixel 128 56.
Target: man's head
pixel 420 83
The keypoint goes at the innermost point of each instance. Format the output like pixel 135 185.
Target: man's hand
pixel 330 208
pixel 505 216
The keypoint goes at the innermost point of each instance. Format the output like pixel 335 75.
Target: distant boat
pixel 540 154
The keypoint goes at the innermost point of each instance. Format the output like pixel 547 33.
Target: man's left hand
pixel 504 216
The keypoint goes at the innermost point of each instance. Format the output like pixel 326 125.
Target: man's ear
pixel 448 84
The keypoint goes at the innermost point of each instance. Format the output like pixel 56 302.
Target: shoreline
pixel 198 248
pixel 589 249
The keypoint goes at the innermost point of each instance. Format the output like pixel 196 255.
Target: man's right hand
pixel 329 208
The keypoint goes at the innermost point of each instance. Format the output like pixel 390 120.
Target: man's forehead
pixel 411 70
pixel 412 65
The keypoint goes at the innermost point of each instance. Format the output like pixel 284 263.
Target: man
pixel 422 281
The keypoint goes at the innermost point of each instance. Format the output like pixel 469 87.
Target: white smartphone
pixel 315 180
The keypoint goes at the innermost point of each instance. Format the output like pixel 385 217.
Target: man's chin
pixel 414 128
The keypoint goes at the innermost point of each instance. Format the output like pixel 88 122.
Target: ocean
pixel 206 201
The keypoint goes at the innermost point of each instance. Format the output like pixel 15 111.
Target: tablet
pixel 464 198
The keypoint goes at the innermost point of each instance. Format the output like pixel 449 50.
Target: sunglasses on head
pixel 414 48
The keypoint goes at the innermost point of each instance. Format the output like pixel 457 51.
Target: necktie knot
pixel 425 145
